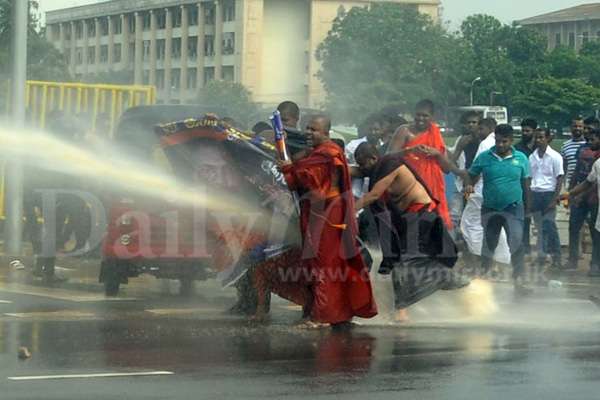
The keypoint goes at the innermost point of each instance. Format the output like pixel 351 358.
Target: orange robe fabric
pixel 331 261
pixel 429 170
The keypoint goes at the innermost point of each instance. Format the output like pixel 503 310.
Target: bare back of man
pixel 401 188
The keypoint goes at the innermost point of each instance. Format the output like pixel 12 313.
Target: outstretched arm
pixel 580 189
pixel 378 191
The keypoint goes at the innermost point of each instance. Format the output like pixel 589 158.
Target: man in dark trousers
pixel 506 176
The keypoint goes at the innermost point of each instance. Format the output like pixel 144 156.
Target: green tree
pixel 505 57
pixel 556 100
pixel 231 100
pixel 44 61
pixel 384 54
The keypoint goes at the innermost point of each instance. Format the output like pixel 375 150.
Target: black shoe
pixel 386 266
pixel 595 299
pixel 53 279
pixel 571 265
pixel 594 273
pixel 523 290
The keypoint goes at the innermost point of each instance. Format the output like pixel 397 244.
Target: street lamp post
pixel 472 85
pixel 492 94
pixel 14 171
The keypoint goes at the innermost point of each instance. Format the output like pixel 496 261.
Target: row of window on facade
pixel 176 50
pixel 192 77
pixel 161 21
pixel 572 38
pixel 191 82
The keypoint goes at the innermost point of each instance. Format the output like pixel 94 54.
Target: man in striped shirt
pixel 571 147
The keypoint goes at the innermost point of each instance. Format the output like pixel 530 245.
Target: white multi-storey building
pixel 179 45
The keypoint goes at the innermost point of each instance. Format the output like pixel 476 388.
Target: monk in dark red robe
pixel 332 265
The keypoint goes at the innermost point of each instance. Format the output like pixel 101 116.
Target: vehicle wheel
pixel 111 285
pixel 186 287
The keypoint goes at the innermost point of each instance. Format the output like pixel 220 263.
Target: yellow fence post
pixel 61 98
pixel 7 97
pixel 43 106
pixel 34 104
pixel 95 109
pixel 113 111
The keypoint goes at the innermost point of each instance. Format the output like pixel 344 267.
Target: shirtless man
pixel 415 241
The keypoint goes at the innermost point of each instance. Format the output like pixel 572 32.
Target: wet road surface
pixel 544 346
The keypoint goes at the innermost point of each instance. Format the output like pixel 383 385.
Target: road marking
pixel 182 311
pixel 59 294
pixel 5 302
pixel 88 376
pixel 52 314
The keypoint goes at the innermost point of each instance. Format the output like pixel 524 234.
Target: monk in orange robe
pixel 333 267
pixel 424 152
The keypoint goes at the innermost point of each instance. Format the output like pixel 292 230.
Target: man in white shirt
pixel 546 181
pixel 371 130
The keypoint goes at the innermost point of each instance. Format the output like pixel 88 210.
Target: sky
pixel 453 10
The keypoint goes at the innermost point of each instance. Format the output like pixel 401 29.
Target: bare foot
pixel 401 316
pixel 308 324
pixel 259 318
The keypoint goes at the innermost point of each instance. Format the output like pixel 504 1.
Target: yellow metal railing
pixel 94 102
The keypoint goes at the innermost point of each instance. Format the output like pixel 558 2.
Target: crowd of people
pixel 397 172
pixel 387 188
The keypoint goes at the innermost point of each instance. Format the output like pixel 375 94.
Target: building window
pixel 228 43
pixel 54 32
pixel 79 56
pixel 161 19
pixel 176 17
pixel 557 40
pixel 146 54
pixel 193 47
pixel 103 54
pixel 146 21
pixel 228 74
pixel 68 34
pixel 192 79
pixel 209 45
pixel 131 53
pixel 91 55
pixel 572 40
pixel 118 26
pixel 146 77
pixel 193 15
pixel 78 30
pixel 104 26
pixel 229 11
pixel 176 48
pixel 131 23
pixel 160 79
pixel 160 49
pixel 585 37
pixel 175 79
pixel 91 28
pixel 209 15
pixel 117 53
pixel 209 74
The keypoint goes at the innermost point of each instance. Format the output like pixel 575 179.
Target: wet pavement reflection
pixel 544 346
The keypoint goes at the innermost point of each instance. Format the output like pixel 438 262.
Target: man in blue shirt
pixel 505 173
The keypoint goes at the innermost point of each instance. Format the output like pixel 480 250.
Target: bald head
pixel 317 130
